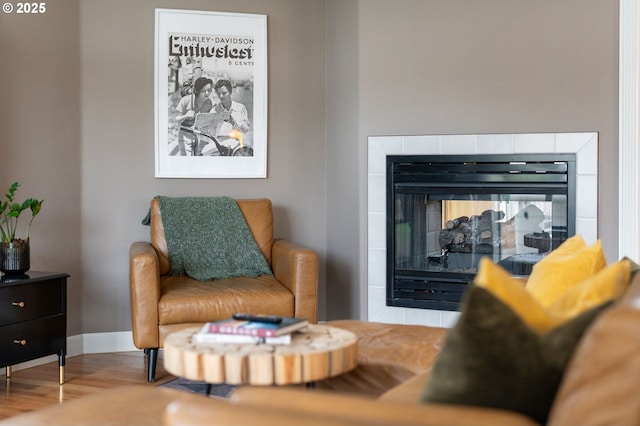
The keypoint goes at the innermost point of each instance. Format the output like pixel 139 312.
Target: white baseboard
pixel 89 343
pixel 119 341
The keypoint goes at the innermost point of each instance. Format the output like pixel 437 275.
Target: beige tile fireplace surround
pixel 584 145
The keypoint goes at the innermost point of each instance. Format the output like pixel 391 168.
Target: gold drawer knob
pixel 18 304
pixel 20 342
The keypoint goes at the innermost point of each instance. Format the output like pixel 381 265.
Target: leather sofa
pixel 600 387
pixel 162 304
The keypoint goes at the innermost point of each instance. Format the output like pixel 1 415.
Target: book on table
pixel 255 329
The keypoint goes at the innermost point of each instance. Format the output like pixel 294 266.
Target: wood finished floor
pixel 37 387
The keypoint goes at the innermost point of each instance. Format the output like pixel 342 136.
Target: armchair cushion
pixel 208 238
pixel 185 300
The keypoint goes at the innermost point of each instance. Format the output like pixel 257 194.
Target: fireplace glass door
pixel 451 232
pixel 445 213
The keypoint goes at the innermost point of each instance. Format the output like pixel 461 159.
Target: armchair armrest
pixel 371 411
pixel 144 288
pixel 296 267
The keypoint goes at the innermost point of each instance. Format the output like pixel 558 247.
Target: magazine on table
pixel 206 337
pixel 256 325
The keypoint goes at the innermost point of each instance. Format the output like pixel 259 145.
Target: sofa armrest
pixel 311 403
pixel 409 390
pixel 296 267
pixel 144 288
pixel 389 355
pixel 124 405
pixel 413 348
pixel 194 410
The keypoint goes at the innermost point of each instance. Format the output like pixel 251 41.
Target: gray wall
pixel 345 163
pixel 40 145
pixel 76 120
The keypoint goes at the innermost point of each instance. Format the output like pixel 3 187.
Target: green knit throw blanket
pixel 208 239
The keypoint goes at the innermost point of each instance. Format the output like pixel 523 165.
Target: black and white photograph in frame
pixel 210 94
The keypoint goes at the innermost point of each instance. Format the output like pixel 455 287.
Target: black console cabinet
pixel 33 318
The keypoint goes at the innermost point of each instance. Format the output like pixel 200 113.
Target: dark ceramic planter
pixel 14 257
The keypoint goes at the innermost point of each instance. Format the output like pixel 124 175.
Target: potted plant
pixel 14 251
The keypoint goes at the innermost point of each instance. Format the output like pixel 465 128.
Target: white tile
pixel 587 158
pixel 421 145
pixel 458 144
pixel 587 198
pixel 377 194
pixel 429 317
pixel 388 314
pixel 572 142
pixel 377 231
pixel 378 148
pixel 588 228
pixel 532 143
pixel 494 144
pixel 379 312
pixel 377 267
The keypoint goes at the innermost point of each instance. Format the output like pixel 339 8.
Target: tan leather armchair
pixel 162 304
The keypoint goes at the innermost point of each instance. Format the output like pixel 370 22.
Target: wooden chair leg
pixel 151 364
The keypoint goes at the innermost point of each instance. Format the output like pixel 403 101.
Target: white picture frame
pixel 230 50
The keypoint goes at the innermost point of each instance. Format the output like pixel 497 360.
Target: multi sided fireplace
pixel 446 212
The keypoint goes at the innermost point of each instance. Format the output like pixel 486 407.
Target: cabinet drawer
pixel 41 337
pixel 30 301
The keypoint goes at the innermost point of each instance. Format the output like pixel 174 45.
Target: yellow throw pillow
pixel 497 281
pixel 569 246
pixel 608 284
pixel 564 268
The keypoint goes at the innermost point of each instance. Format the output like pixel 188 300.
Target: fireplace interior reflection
pixel 445 213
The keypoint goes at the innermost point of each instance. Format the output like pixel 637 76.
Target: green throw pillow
pixel 491 358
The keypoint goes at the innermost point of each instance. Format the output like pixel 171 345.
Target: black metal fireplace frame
pixel 482 174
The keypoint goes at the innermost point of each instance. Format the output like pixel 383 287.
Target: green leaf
pixel 10 212
pixel 12 191
pixel 14 210
pixel 35 206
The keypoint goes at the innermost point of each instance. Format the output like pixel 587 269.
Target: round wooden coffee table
pixel 315 353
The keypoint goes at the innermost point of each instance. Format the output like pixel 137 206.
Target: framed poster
pixel 210 94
